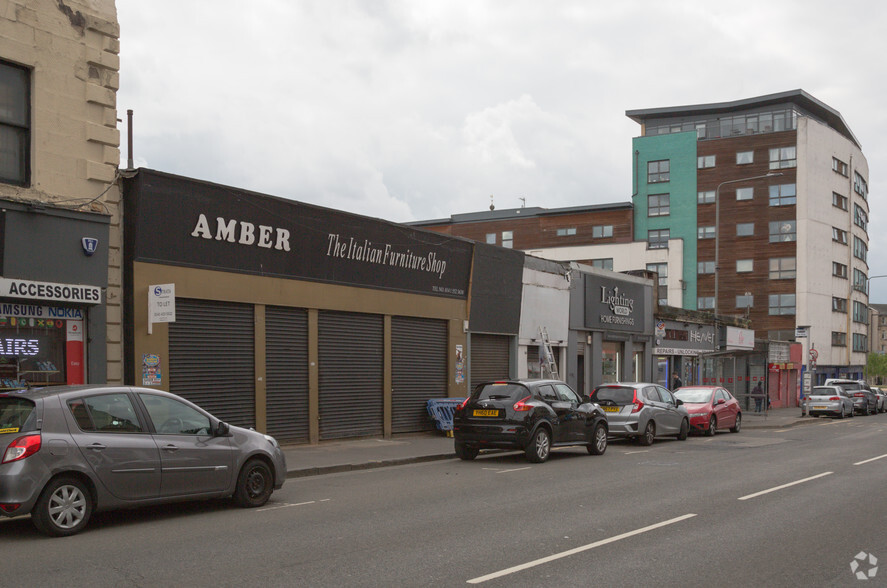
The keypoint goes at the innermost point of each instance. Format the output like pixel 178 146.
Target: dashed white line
pixel 513 470
pixel 769 490
pixel 872 459
pixel 576 550
pixel 285 505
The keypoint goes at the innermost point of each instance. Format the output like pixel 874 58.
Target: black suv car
pixel 529 415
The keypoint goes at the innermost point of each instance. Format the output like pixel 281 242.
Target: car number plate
pixel 820 408
pixel 611 408
pixel 486 413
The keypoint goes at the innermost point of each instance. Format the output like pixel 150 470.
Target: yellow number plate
pixel 611 408
pixel 486 413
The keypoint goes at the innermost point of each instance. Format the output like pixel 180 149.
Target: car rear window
pixel 620 395
pixel 17 414
pixel 823 392
pixel 501 392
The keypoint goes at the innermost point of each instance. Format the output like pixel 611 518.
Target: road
pixel 758 508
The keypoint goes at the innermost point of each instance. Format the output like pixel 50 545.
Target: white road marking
pixel 633 452
pixel 762 492
pixel 570 552
pixel 872 459
pixel 285 505
pixel 513 470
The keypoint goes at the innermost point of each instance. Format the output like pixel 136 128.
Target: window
pixel 860 218
pixel 172 417
pixel 839 270
pixel 105 413
pixel 705 267
pixel 657 239
pixel 707 197
pixel 705 303
pixel 743 266
pixel 860 249
pixel 781 231
pixel 860 186
pixel 601 231
pixel 657 205
pixel 604 263
pixel 782 268
pixel 839 201
pixel 782 195
pixel 860 342
pixel 745 301
pixel 839 166
pixel 839 304
pixel 839 339
pixel 743 157
pixel 782 304
pixel 662 290
pixel 860 312
pixel 507 239
pixel 491 238
pixel 745 229
pixel 783 157
pixel 566 232
pixel 745 193
pixel 15 124
pixel 658 171
pixel 860 281
pixel 706 232
pixel 839 235
pixel 704 161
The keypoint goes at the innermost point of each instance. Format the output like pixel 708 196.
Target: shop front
pixel 679 347
pixel 611 328
pixel 52 280
pixel 301 321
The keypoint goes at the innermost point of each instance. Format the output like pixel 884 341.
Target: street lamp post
pixel 718 224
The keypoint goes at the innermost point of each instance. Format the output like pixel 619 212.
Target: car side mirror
pixel 678 402
pixel 721 401
pixel 222 429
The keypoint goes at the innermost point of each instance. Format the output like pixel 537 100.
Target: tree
pixel 876 367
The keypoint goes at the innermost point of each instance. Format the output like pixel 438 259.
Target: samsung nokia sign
pixel 227 229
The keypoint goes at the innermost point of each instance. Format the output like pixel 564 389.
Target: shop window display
pixel 34 351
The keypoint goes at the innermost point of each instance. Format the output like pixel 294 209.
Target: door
pixel 576 430
pixel 669 419
pixel 117 445
pixel 192 460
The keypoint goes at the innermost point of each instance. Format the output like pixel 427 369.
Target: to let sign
pixel 161 304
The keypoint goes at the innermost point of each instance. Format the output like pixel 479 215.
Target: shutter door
pixel 350 358
pixel 489 358
pixel 211 358
pixel 419 371
pixel 286 366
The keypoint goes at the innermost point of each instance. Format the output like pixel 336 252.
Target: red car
pixel 711 408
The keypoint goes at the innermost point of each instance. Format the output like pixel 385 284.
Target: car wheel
pixel 737 426
pixel 840 416
pixel 712 426
pixel 254 484
pixel 465 452
pixel 852 412
pixel 598 443
pixel 649 434
pixel 685 430
pixel 63 508
pixel 540 446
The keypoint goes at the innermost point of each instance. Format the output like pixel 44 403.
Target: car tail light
pixel 834 398
pixel 859 395
pixel 21 448
pixel 464 402
pixel 7 508
pixel 520 405
pixel 636 405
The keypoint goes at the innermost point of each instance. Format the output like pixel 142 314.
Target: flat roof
pixel 510 213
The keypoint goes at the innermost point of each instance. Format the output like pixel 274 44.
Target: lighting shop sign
pixel 613 305
pixel 29 290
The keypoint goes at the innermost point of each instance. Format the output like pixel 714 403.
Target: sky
pixel 415 110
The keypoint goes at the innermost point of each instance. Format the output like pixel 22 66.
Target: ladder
pixel 547 356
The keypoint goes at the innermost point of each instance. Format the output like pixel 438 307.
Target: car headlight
pixel 271 440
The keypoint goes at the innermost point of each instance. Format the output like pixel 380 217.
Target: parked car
pixel 864 400
pixel 711 408
pixel 882 399
pixel 830 401
pixel 642 411
pixel 70 451
pixel 529 415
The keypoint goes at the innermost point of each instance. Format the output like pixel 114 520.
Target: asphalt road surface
pixel 758 508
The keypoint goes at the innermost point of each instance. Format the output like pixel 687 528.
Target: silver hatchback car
pixel 69 451
pixel 642 411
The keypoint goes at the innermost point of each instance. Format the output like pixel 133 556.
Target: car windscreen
pixel 693 395
pixel 501 391
pixel 17 414
pixel 620 395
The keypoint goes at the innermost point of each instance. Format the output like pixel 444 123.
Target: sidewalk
pixel 330 457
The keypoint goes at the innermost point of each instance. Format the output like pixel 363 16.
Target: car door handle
pixel 98 446
pixel 170 448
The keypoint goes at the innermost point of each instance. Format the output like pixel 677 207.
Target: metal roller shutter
pixel 419 371
pixel 211 358
pixel 286 372
pixel 350 358
pixel 489 358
